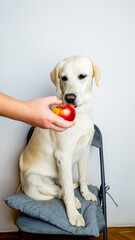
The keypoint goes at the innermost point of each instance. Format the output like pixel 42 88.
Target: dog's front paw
pixel 89 196
pixel 77 203
pixel 76 220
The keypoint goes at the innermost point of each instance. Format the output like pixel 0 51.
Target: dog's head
pixel 76 77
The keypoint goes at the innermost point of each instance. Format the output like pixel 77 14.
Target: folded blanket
pixel 53 212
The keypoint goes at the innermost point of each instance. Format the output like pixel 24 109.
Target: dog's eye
pixel 81 76
pixel 64 78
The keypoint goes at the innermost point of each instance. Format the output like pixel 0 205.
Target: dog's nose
pixel 70 98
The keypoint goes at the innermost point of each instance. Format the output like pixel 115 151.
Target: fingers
pixel 56 128
pixel 60 122
pixel 53 100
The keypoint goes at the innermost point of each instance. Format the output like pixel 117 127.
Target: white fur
pixel 46 163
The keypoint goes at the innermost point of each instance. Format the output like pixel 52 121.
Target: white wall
pixel 34 36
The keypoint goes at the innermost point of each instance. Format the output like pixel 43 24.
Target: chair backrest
pixel 97 138
pixel 30 134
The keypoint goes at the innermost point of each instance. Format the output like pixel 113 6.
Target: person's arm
pixel 35 112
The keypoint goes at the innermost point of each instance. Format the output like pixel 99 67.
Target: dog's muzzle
pixel 70 98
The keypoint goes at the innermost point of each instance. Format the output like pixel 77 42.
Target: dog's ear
pixel 96 72
pixel 55 76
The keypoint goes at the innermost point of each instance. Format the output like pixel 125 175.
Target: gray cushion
pixel 32 225
pixel 53 212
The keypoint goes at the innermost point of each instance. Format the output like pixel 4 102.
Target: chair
pixel 51 230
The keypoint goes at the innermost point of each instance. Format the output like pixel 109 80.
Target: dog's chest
pixel 82 147
pixel 81 136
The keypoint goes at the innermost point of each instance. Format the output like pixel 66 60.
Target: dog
pixel 46 162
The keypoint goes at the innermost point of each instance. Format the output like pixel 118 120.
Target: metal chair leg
pixel 105 234
pixel 19 235
pixel 102 188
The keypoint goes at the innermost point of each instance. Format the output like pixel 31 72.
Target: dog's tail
pixel 19 188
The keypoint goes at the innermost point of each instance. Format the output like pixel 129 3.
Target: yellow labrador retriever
pixel 46 163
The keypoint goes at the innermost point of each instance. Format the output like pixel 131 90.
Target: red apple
pixel 66 111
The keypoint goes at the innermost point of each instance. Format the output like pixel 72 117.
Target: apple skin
pixel 66 111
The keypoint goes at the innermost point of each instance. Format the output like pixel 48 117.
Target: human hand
pixel 40 114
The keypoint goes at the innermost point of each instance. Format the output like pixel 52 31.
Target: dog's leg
pixel 82 169
pixel 38 188
pixel 65 171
